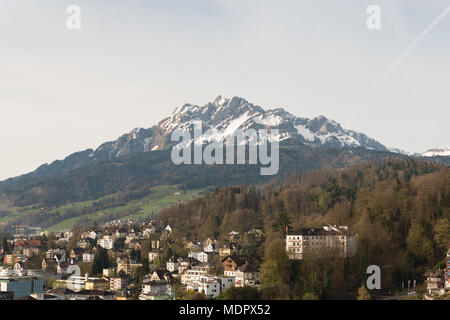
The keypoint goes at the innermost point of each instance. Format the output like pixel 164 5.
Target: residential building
pixel 88 257
pixel 247 275
pixel 109 272
pixel 200 256
pixel 172 264
pixel 211 248
pixel 435 281
pixel 152 255
pixel 107 244
pixel 310 240
pixel 118 283
pixel 232 263
pixel 155 288
pixel 21 286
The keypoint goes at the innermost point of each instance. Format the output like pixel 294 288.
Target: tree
pixel 275 271
pixel 442 233
pixel 101 261
pixel 239 293
pixel 5 245
pixel 194 296
pixel 282 222
pixel 310 296
pixel 363 293
pixel 418 243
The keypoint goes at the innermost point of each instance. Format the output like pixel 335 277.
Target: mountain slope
pixel 225 115
pixel 149 169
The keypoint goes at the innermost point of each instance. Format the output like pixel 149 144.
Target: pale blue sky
pixel 133 62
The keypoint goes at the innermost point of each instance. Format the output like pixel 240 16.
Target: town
pixel 122 260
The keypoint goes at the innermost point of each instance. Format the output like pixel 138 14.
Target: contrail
pixel 397 61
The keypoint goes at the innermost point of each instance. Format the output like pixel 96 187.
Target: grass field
pixel 159 198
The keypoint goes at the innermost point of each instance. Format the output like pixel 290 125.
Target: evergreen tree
pixel 101 261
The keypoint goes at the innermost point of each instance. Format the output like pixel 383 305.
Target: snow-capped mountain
pixel 228 115
pixel 437 152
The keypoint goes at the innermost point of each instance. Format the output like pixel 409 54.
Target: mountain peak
pixel 437 152
pixel 227 115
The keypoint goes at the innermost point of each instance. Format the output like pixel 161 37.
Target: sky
pixel 133 62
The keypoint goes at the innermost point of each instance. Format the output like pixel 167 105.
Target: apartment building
pixel 310 240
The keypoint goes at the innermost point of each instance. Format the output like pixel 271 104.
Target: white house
pixel 88 257
pixel 211 248
pixel 152 255
pixel 200 256
pixel 172 265
pixel 211 286
pixel 106 243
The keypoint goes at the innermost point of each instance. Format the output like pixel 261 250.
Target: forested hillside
pixel 149 169
pixel 399 209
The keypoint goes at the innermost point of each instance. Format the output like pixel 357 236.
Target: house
pixel 190 276
pixel 123 264
pixel 211 248
pixel 154 244
pixel 90 235
pixel 148 232
pixel 88 257
pixel 159 275
pixel 224 251
pixel 232 262
pixel 130 237
pixel 60 257
pixel 97 284
pixel 106 243
pixel 152 255
pixel 109 272
pixel 27 247
pixel 233 235
pixel 184 264
pixel 84 244
pixel 200 256
pixel 193 245
pixel 121 232
pixel 168 229
pixel 211 286
pixel 229 249
pixel 118 283
pixel 49 265
pixel 10 259
pixel 309 240
pixel 152 289
pixel 76 254
pixel 247 275
pixel 172 263
pixel 435 281
pixel 19 266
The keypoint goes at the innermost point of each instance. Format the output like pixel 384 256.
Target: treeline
pixel 399 209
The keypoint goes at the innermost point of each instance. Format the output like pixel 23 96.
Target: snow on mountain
pixel 400 151
pixel 226 115
pixel 437 152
